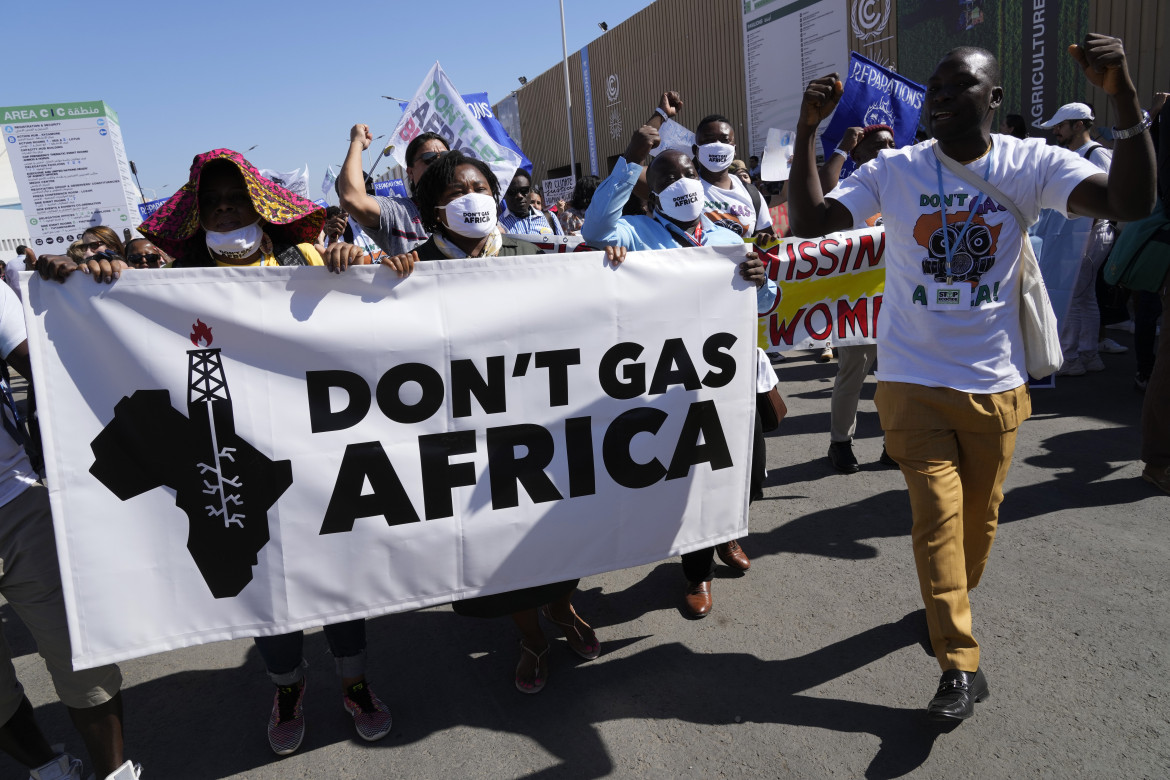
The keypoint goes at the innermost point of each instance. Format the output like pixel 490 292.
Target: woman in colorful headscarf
pixel 229 215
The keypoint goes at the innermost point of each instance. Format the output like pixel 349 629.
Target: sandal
pixel 539 680
pixel 583 644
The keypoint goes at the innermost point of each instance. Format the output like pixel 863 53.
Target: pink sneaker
pixel 286 724
pixel 371 716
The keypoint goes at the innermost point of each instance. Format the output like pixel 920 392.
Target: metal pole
pixel 568 99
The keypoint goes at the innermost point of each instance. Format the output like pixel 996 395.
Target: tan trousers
pixel 954 450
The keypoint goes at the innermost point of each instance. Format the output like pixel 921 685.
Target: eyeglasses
pixel 93 246
pixel 151 260
pixel 426 158
pixel 513 192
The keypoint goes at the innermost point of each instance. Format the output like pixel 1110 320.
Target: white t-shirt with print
pixel 733 209
pixel 16 473
pixel 980 350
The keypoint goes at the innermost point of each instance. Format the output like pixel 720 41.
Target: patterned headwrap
pixel 290 218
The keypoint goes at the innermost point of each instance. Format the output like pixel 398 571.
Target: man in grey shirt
pixel 393 223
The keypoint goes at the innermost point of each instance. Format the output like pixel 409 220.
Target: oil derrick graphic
pixel 224 484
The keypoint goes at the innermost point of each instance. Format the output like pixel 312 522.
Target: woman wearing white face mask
pixel 458 198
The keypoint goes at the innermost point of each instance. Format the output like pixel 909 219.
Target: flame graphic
pixel 200 334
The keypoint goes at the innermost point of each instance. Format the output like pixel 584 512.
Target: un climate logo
pixel 869 17
pixel 612 88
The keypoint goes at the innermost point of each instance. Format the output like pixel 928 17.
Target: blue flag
pixel 874 95
pixel 146 209
pixel 391 189
pixel 479 105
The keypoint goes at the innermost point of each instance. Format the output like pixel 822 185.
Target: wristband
pixel 1142 126
pixel 661 113
pixel 841 152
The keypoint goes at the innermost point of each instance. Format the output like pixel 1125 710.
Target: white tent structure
pixel 13 230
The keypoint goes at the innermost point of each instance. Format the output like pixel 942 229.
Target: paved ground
pixel 810 666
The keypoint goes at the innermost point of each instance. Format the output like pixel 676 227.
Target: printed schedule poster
pixel 71 170
pixel 786 45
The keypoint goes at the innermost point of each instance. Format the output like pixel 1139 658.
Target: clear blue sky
pixel 291 77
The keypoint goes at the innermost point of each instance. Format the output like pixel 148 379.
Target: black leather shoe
pixel 886 460
pixel 957 693
pixel 842 458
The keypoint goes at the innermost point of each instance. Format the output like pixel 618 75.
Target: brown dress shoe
pixel 733 555
pixel 698 599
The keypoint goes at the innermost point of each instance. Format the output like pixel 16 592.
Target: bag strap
pixel 960 170
pixel 757 198
pixel 1090 150
pixel 291 255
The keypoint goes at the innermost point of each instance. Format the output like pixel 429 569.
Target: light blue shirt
pixel 605 226
pixel 534 224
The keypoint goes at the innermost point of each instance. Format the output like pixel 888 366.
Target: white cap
pixel 1068 111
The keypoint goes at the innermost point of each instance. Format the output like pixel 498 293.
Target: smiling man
pixel 952 384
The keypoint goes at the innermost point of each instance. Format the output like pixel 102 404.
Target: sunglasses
pixel 93 246
pixel 151 259
pixel 519 191
pixel 427 158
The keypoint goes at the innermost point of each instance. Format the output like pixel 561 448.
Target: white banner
pixel 438 107
pixel 225 461
pixel 296 180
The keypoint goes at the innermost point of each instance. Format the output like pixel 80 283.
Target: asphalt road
pixel 810 666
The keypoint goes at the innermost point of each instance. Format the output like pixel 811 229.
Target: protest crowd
pixel 952 362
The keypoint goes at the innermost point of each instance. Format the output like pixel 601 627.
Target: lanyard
pixel 695 240
pixel 942 207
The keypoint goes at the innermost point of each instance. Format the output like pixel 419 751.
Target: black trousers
pixel 699 566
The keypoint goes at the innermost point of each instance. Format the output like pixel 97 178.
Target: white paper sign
pixel 224 461
pixel 674 136
pixel 438 107
pixel 71 170
pixel 776 163
pixel 557 189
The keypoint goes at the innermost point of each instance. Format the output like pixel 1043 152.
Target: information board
pixel 70 168
pixel 801 40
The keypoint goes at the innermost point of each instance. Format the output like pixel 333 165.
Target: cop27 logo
pixel 223 484
pixel 869 18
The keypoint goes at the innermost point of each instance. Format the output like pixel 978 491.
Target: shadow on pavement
pixel 439 672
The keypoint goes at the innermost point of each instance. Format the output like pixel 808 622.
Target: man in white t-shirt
pixel 726 200
pixel 1080 328
pixel 952 385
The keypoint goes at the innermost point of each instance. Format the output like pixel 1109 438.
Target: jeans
pixel 283 654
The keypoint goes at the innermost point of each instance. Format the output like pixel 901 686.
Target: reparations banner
pixel 251 451
pixel 874 96
pixel 831 290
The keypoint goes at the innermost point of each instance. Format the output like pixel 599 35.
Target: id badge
pixel 948 297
